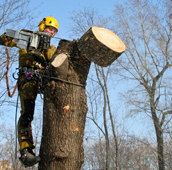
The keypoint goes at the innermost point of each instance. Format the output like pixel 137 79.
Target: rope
pixel 16 129
pixel 11 95
pixel 62 39
pixel 6 73
pixel 55 78
pixel 16 126
pixel 3 94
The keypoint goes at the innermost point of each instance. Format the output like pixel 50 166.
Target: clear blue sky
pixel 61 10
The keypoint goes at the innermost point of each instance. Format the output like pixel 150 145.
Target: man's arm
pixel 10 41
pixel 1 41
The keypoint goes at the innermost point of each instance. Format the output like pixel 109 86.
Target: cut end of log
pixel 59 60
pixel 109 39
pixel 101 46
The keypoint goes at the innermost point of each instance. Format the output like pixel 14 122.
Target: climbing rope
pixel 6 73
pixel 56 78
pixel 11 95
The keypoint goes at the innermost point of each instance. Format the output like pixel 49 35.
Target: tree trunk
pixel 159 134
pixel 65 109
pixel 65 104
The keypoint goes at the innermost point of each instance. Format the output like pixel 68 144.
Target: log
pixel 101 46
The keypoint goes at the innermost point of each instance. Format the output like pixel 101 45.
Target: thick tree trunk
pixel 65 109
pixel 159 134
pixel 65 104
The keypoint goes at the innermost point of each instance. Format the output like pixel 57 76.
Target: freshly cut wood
pixel 59 65
pixel 101 46
pixel 59 60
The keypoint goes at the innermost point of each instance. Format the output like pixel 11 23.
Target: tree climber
pixel 28 89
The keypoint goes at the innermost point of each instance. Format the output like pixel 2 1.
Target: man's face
pixel 50 30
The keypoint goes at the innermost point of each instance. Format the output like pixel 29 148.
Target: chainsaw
pixel 30 40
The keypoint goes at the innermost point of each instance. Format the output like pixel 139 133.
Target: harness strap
pixel 27 133
pixel 23 138
pixel 29 72
pixel 25 130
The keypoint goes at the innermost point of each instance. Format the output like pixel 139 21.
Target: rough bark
pixel 65 104
pixel 65 109
pixel 101 46
pixel 159 133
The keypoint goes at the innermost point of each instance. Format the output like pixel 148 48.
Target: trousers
pixel 28 94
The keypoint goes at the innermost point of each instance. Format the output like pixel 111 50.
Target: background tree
pixel 146 30
pixel 134 153
pixel 82 20
pixel 7 146
pixel 14 14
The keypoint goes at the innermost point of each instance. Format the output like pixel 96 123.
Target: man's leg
pixel 24 124
pixel 28 95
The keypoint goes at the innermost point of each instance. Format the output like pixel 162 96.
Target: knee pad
pixel 26 134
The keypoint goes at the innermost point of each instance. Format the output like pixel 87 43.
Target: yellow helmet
pixel 48 21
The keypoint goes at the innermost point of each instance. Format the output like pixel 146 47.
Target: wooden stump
pixel 101 46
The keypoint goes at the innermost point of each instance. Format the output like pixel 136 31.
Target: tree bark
pixel 159 133
pixel 101 46
pixel 65 109
pixel 65 104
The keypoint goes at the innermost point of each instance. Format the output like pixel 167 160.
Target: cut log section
pixel 59 60
pixel 101 46
pixel 59 65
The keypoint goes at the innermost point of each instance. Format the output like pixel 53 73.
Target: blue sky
pixel 61 10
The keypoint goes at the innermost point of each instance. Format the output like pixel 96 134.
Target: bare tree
pixel 134 153
pixel 81 20
pixel 13 14
pixel 64 123
pixel 146 30
pixel 7 144
pixel 102 79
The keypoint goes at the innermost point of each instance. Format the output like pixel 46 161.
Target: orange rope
pixel 8 61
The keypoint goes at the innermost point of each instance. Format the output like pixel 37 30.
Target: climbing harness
pixel 32 74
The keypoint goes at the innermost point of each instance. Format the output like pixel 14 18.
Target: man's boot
pixel 28 158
